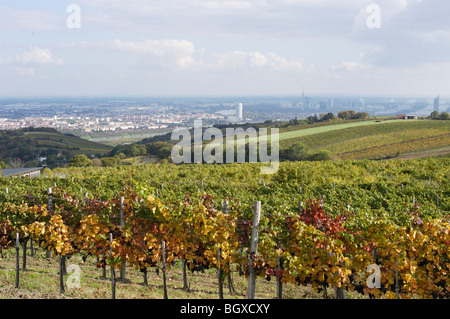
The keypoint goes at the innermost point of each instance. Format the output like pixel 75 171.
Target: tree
pixel 346 115
pixel 160 149
pixel 361 116
pixel 328 116
pixel 444 116
pixel 119 149
pixel 434 115
pixel 110 161
pixel 80 161
pixel 296 152
pixel 312 119
pixel 352 115
pixel 138 149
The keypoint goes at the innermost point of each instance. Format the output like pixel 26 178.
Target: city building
pixel 436 104
pixel 239 111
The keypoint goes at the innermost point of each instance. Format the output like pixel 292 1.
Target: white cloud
pixel 182 54
pixel 38 56
pixel 24 64
pixel 166 53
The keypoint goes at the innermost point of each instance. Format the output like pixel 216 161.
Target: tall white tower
pixel 436 104
pixel 239 111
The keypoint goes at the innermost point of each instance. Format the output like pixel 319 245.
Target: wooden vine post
pixel 49 208
pixel 163 246
pixel 17 260
pixel 24 254
pixel 279 268
pixel 185 282
pixel 122 225
pixel 219 274
pixel 61 275
pixel 113 283
pixel 396 279
pixel 230 280
pixel 254 251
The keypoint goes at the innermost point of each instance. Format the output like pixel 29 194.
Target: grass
pixel 41 281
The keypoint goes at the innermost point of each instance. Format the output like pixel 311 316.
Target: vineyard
pixel 378 229
pixel 376 140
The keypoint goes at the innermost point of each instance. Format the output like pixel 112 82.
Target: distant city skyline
pixel 224 47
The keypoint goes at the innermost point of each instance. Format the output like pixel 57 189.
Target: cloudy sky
pixel 224 47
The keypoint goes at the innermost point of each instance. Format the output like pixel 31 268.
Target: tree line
pixel 436 116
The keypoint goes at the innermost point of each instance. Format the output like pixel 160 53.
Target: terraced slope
pixel 374 140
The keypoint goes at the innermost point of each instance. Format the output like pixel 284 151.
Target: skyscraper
pixel 239 111
pixel 436 104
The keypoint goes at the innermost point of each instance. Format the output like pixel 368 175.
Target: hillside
pixel 335 139
pixel 375 140
pixel 26 146
pixel 360 139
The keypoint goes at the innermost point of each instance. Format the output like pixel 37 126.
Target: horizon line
pixel 222 95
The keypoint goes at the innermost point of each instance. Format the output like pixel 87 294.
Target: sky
pixel 224 47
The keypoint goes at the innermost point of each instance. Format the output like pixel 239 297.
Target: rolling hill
pixel 25 146
pixel 375 140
